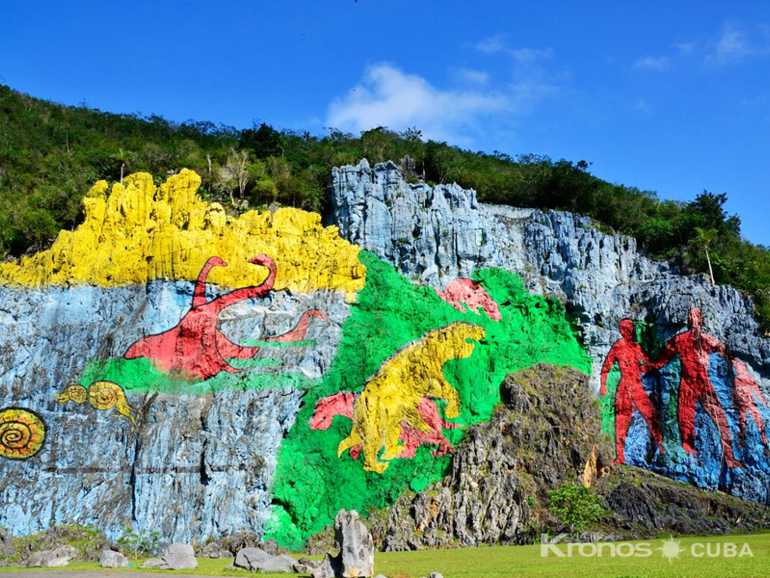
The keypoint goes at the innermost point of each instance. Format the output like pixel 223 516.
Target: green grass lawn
pixel 500 561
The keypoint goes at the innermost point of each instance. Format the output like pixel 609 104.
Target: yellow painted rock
pixel 137 232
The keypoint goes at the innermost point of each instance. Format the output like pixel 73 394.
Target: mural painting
pixel 393 394
pixel 196 348
pixel 746 393
pixel 22 433
pixel 630 394
pixel 411 373
pixel 471 294
pixel 410 368
pixel 342 404
pixel 101 395
pixel 691 386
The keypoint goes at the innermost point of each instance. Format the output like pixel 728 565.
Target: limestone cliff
pixel 434 235
pixel 168 367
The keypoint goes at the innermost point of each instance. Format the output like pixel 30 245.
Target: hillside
pixel 51 154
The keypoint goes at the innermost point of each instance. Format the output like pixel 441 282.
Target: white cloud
pixel 652 63
pixel 492 44
pixel 522 56
pixel 685 48
pixel 738 43
pixel 387 96
pixel 529 55
pixel 469 76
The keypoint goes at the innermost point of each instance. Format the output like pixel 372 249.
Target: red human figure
pixel 744 390
pixel 342 404
pixel 630 394
pixel 694 349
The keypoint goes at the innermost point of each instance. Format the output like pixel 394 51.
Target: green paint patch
pixel 312 484
pixel 140 376
pixel 279 344
pixel 608 402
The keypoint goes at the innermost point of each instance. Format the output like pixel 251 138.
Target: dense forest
pixel 51 154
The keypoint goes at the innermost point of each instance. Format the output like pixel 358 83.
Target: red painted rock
pixel 473 295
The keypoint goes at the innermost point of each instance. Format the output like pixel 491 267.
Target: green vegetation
pixel 141 543
pixel 51 154
pixel 508 561
pixel 575 505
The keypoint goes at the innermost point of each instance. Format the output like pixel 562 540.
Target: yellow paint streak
pixel 392 395
pixel 137 232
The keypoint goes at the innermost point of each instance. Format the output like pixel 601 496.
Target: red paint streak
pixel 630 395
pixel 342 404
pixel 300 330
pixel 694 349
pixel 195 348
pixel 473 295
pixel 338 404
pixel 743 395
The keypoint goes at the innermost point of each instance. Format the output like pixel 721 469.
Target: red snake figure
pixel 630 394
pixel 195 348
pixel 694 349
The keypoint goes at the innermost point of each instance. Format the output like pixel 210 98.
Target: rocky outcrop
pixel 356 556
pixel 56 558
pixel 502 471
pixel 548 433
pixel 641 503
pixel 18 551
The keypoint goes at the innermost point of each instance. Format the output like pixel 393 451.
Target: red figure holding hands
pixel 630 394
pixel 743 396
pixel 694 348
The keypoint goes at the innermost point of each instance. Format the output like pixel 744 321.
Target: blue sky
pixel 670 96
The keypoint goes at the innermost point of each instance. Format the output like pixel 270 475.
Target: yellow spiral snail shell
pixel 22 433
pixel 104 395
pixel 76 393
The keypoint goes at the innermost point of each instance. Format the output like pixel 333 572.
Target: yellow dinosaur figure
pixel 391 396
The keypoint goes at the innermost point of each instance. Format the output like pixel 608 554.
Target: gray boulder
pixel 306 565
pixel 247 558
pixel 112 559
pixel 280 563
pixel 356 557
pixel 256 559
pixel 324 570
pixel 213 550
pixel 55 558
pixel 178 557
pixel 153 563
